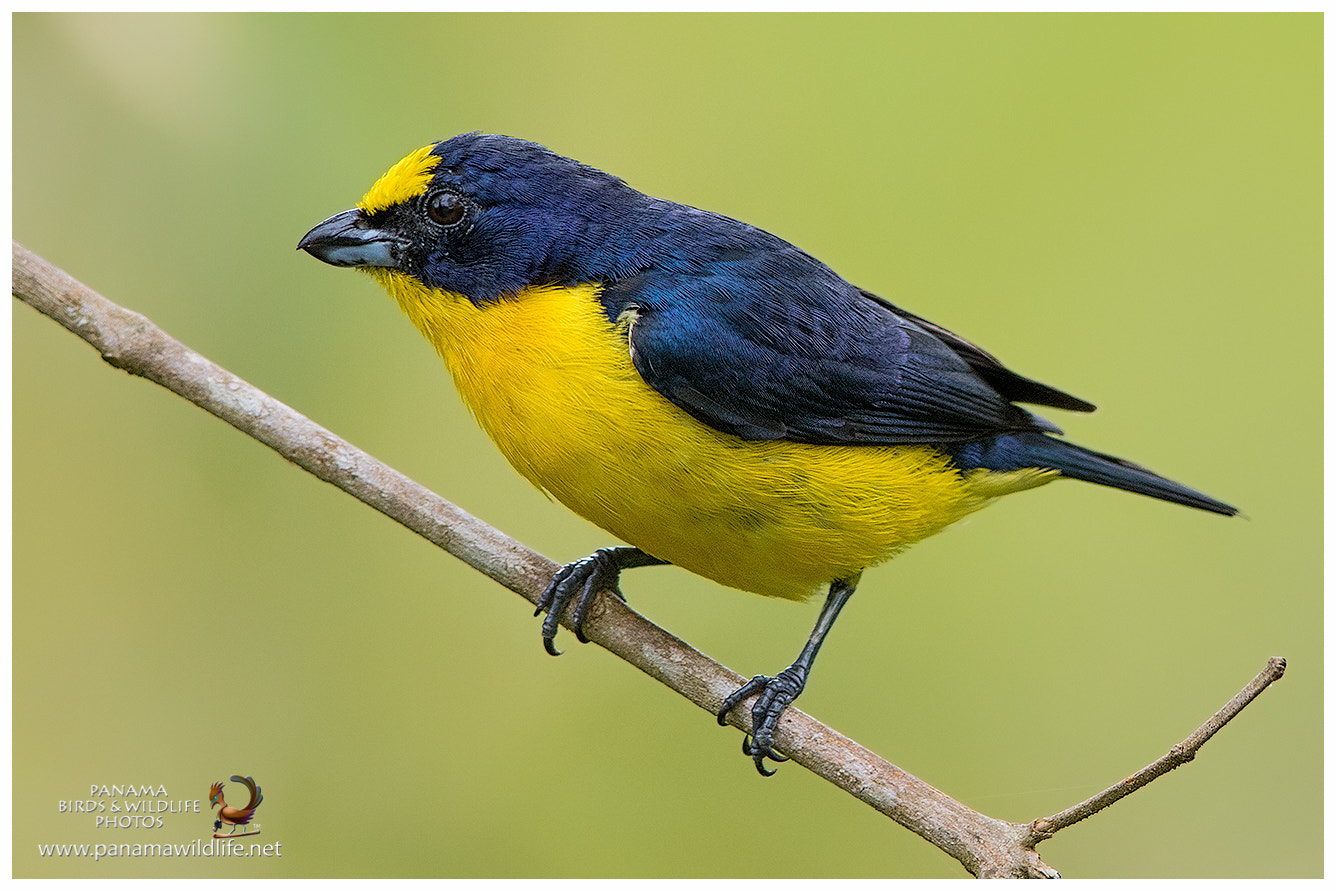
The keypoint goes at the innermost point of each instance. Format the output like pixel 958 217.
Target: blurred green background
pixel 1125 206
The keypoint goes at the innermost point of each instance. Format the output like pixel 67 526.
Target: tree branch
pixel 1180 754
pixel 985 846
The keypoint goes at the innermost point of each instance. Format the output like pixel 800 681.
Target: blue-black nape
pixel 542 218
pixel 535 218
pixel 506 168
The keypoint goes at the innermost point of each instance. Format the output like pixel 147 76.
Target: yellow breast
pixel 551 381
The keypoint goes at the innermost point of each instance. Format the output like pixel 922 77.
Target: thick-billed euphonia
pixel 703 390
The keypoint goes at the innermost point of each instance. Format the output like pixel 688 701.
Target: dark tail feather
pixel 1018 450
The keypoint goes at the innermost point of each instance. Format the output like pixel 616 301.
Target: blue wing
pixel 772 344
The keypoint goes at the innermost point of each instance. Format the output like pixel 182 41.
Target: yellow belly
pixel 551 381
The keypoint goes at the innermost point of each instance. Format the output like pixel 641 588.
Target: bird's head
pixel 484 216
pixel 215 795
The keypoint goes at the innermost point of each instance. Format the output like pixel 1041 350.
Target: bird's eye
pixel 446 208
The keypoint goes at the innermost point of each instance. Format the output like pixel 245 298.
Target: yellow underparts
pixel 551 381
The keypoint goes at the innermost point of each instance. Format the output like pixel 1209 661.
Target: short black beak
pixel 346 239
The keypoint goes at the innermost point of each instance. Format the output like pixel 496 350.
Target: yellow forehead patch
pixel 405 180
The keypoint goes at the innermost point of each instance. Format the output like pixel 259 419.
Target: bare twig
pixel 985 846
pixel 1180 754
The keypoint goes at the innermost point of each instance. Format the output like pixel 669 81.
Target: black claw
pixel 579 583
pixel 550 624
pixel 759 757
pixel 737 696
pixel 776 693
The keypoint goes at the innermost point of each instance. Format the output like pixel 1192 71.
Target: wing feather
pixel 774 345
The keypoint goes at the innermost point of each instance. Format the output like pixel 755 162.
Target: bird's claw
pixel 580 582
pixel 776 693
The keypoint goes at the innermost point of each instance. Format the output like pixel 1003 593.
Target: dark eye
pixel 446 208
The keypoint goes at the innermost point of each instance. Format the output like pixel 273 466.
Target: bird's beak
pixel 346 239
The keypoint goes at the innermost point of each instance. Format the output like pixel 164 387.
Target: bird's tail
pixel 1020 450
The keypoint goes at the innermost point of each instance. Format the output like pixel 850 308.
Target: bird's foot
pixel 776 694
pixel 579 581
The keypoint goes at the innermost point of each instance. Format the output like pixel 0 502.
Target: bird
pixel 234 816
pixel 707 392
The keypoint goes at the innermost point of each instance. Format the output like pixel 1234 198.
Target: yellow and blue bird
pixel 703 390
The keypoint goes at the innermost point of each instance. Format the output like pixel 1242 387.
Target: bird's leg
pixel 581 581
pixel 779 691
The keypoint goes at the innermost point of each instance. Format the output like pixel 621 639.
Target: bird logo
pixel 235 816
pixel 707 392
